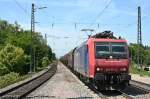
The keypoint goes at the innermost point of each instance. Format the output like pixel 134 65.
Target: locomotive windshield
pixel 102 50
pixel 105 50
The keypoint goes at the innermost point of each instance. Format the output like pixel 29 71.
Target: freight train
pixel 102 60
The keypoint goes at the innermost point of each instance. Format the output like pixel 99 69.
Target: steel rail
pixel 143 86
pixel 93 88
pixel 125 95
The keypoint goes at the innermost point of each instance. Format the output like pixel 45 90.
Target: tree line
pixel 15 44
pixel 145 54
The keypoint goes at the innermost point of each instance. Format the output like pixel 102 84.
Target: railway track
pixel 96 91
pixel 109 94
pixel 130 92
pixel 28 86
pixel 143 86
pixel 137 90
pixel 125 95
pixel 133 91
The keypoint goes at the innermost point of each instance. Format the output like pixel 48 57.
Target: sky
pixel 63 20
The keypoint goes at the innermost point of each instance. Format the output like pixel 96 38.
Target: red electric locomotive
pixel 102 59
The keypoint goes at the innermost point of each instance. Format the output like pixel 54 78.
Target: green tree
pixel 147 57
pixel 144 50
pixel 45 61
pixel 13 59
pixel 14 35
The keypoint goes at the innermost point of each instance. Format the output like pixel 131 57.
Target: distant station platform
pixel 63 85
pixel 144 79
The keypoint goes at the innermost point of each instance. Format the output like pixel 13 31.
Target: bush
pixel 45 61
pixel 12 59
pixel 3 69
pixel 135 70
pixel 9 79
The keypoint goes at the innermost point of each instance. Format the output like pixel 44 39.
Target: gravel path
pixel 139 78
pixel 63 85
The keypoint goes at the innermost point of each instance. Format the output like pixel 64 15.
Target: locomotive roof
pixel 101 40
pixel 106 40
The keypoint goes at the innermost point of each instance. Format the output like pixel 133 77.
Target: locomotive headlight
pixel 99 69
pixel 123 69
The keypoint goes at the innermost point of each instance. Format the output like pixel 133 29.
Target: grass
pixel 38 69
pixel 141 72
pixel 10 78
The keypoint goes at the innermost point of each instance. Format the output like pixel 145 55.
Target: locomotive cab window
pixel 102 50
pixel 119 50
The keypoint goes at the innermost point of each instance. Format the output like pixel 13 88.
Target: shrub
pixel 3 69
pixel 9 79
pixel 12 59
pixel 135 70
pixel 45 61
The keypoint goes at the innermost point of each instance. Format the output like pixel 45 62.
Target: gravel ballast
pixel 144 79
pixel 63 85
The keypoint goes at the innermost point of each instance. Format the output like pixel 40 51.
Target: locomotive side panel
pixel 91 58
pixel 81 60
pixel 70 60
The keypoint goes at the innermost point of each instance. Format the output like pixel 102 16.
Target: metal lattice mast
pixel 33 48
pixel 139 37
pixel 45 39
pixel 32 33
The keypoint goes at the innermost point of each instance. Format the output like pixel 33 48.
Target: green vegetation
pixel 15 44
pixel 145 54
pixel 10 78
pixel 12 59
pixel 145 58
pixel 135 70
